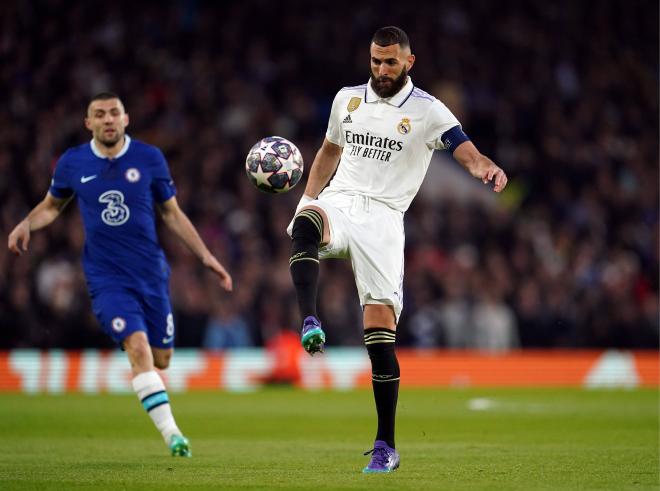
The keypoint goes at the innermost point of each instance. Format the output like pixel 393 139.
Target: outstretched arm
pixel 325 163
pixel 41 216
pixel 480 166
pixel 177 221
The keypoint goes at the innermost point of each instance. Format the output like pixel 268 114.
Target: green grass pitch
pixel 522 439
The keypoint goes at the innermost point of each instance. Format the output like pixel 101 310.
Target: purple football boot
pixel 312 336
pixel 383 458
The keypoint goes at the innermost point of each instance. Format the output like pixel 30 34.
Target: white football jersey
pixel 387 143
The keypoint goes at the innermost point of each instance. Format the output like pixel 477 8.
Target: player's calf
pixel 304 264
pixel 385 374
pixel 150 389
pixel 304 261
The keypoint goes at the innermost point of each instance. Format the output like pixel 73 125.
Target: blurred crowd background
pixel 563 95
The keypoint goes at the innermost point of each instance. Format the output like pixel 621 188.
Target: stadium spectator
pixel 571 111
pixel 226 328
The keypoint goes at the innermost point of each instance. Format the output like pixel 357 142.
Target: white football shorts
pixel 370 234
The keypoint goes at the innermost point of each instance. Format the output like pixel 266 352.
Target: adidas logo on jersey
pixel 347 119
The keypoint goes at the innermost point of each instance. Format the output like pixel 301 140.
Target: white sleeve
pixel 334 134
pixel 438 120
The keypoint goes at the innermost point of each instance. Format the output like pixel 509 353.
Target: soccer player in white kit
pixel 380 139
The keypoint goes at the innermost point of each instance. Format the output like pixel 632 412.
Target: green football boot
pixel 312 336
pixel 180 446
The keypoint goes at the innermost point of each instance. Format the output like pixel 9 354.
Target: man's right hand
pixel 214 265
pixel 18 237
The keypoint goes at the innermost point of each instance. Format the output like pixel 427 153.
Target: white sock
pixel 150 389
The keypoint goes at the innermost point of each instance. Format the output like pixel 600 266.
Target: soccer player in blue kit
pixel 117 180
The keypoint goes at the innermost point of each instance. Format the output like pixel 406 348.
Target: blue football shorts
pixel 122 312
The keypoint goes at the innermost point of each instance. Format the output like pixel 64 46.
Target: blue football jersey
pixel 116 199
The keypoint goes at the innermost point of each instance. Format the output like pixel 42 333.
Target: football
pixel 274 165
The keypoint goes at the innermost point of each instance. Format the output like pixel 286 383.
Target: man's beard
pixel 386 87
pixel 110 142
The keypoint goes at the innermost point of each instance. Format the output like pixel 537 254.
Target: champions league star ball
pixel 274 165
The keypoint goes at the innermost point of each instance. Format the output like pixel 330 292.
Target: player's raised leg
pixel 380 342
pixel 150 389
pixel 309 226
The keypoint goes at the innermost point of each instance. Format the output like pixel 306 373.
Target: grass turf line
pixel 516 439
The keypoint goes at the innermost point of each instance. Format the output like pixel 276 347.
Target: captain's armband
pixel 452 138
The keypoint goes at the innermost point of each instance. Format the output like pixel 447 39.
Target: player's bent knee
pixel 325 232
pixel 136 344
pixel 137 348
pixel 306 236
pixel 308 225
pixel 162 358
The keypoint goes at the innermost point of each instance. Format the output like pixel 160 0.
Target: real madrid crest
pixel 353 104
pixel 404 126
pixel 132 175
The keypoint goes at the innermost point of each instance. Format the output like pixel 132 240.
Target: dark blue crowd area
pixel 563 95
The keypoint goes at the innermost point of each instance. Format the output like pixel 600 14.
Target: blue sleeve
pixel 453 137
pixel 162 185
pixel 60 185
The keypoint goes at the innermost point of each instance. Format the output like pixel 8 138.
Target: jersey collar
pixel 396 100
pixel 124 149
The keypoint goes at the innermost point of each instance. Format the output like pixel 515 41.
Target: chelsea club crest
pixel 132 175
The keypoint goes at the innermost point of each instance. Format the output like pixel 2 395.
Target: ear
pixel 88 124
pixel 410 61
pixel 126 119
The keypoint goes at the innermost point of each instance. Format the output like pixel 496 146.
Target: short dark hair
pixel 104 96
pixel 387 36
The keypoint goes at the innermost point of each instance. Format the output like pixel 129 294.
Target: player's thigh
pixel 376 251
pixel 119 313
pixel 160 321
pixel 334 210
